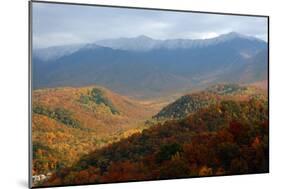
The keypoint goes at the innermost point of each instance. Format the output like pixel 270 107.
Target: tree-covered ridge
pixel 191 103
pixel 183 106
pixel 64 127
pixel 230 137
pixel 59 114
pixel 97 97
pixel 224 89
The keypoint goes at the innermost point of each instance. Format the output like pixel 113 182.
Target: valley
pixel 70 122
pixel 225 136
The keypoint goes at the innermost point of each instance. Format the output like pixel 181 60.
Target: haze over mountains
pixel 144 43
pixel 144 67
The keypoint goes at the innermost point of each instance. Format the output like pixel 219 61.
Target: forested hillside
pixel 228 137
pixel 191 103
pixel 70 122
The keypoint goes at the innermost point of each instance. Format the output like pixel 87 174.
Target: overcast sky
pixel 60 24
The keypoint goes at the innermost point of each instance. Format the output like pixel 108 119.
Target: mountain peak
pixel 144 37
pixel 91 46
pixel 233 35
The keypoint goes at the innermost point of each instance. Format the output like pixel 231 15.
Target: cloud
pixel 61 24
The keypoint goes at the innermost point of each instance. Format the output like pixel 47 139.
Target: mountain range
pixel 143 67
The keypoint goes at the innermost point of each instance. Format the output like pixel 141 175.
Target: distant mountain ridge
pixel 139 43
pixel 143 67
pixel 144 43
pixel 52 53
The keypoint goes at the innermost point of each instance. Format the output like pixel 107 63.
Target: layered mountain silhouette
pixel 145 67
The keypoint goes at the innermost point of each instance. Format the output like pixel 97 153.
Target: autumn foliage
pixel 229 137
pixel 68 123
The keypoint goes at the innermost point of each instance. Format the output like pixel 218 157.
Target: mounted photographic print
pixel 121 94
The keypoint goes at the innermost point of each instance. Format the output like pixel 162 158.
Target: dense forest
pixel 228 137
pixel 68 123
pixel 190 103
